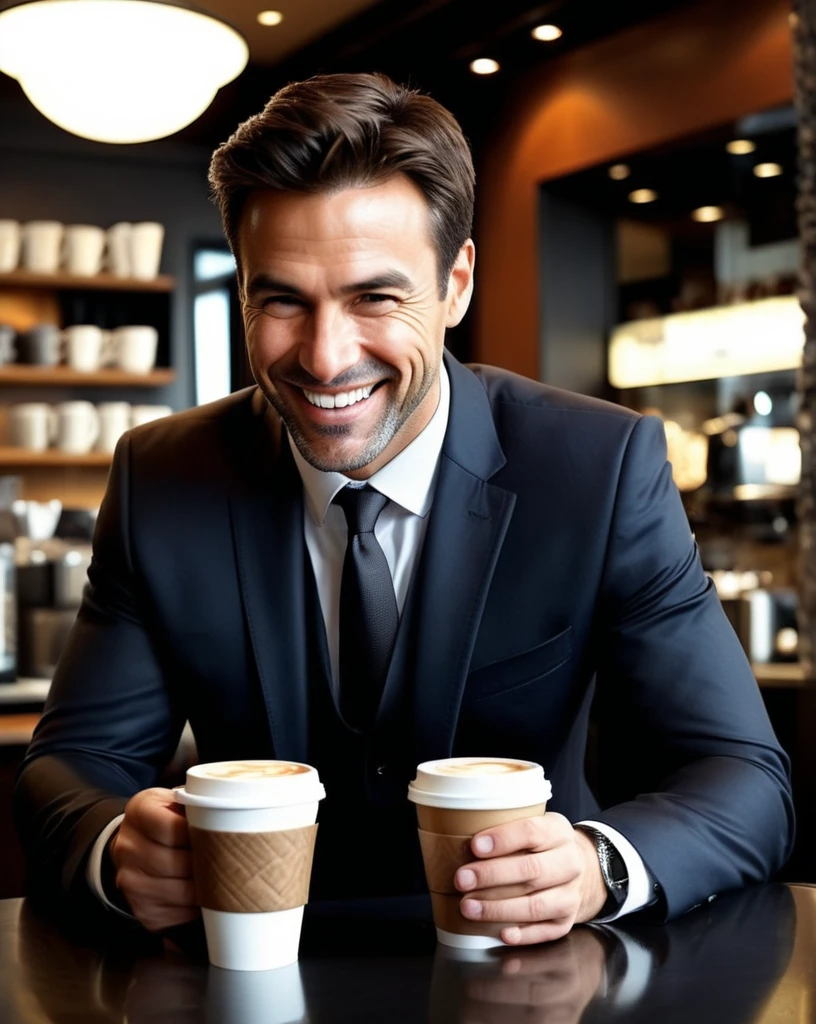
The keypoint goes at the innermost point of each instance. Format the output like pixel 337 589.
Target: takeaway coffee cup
pixel 252 833
pixel 456 798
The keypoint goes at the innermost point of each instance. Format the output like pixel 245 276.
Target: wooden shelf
pixel 101 282
pixel 18 375
pixel 51 457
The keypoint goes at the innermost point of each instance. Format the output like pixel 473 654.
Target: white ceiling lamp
pixel 119 70
pixel 484 66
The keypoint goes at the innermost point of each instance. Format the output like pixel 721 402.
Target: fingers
pixel 155 814
pixel 534 873
pixel 537 834
pixel 524 873
pixel 153 861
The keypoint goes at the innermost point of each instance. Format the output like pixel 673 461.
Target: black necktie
pixel 368 609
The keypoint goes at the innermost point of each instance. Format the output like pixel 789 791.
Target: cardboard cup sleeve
pixel 442 857
pixel 253 872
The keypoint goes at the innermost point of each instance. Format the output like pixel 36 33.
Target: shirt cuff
pixel 641 888
pixel 93 872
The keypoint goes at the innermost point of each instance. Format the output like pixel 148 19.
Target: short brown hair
pixel 333 132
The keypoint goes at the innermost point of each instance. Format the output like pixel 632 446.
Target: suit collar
pixel 471 440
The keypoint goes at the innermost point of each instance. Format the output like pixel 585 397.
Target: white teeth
pixel 338 401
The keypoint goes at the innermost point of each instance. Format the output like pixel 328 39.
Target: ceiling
pixel 304 22
pixel 426 43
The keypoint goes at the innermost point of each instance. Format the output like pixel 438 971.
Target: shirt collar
pixel 407 479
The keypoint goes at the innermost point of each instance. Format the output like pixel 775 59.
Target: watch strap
pixel 613 870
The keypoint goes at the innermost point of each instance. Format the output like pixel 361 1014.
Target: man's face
pixel 344 322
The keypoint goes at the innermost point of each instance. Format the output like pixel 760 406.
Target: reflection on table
pixel 743 958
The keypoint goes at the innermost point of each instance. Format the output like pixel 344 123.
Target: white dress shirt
pixel 409 481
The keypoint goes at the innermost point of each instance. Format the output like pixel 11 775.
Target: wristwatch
pixel 613 870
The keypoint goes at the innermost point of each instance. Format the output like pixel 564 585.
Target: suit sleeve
pixel 717 813
pixel 109 724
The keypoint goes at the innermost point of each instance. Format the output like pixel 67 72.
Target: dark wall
pixel 48 173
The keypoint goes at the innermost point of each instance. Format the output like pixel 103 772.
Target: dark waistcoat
pixel 366 844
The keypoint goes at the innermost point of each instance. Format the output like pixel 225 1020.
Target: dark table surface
pixel 745 957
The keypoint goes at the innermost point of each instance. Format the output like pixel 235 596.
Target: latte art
pixel 482 768
pixel 248 770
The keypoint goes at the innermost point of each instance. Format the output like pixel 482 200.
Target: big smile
pixel 339 399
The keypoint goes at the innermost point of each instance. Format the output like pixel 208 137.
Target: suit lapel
pixel 467 526
pixel 266 506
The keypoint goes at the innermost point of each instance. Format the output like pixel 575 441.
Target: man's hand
pixel 539 872
pixel 549 985
pixel 154 870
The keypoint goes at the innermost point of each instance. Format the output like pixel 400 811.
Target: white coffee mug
pixel 140 414
pixel 83 248
pixel 114 420
pixel 84 346
pixel 42 246
pixel 33 425
pixel 10 240
pixel 77 427
pixel 118 249
pixel 146 240
pixel 133 348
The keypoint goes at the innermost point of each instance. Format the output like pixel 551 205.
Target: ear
pixel 460 284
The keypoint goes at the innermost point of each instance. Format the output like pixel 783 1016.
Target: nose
pixel 329 345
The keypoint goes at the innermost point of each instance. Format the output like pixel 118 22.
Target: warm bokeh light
pixel 119 71
pixel 707 214
pixel 484 66
pixel 739 147
pixel 546 33
pixel 643 195
pixel 768 170
pixel 617 172
pixel 270 18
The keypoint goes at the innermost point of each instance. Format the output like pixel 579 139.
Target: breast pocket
pixel 520 670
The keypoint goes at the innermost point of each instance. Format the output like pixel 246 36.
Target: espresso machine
pixel 52 555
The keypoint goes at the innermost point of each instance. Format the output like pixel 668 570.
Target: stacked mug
pixel 82 250
pixel 83 347
pixel 77 427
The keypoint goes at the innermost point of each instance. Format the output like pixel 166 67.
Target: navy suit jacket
pixel 558 559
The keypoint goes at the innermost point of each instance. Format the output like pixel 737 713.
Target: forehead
pixel 390 220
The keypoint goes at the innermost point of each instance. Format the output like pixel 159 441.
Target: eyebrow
pixel 389 279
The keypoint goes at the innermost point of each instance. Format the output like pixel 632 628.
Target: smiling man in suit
pixel 523 546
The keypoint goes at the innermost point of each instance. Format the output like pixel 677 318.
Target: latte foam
pixel 482 768
pixel 248 770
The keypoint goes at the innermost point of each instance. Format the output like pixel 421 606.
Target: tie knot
pixel 362 506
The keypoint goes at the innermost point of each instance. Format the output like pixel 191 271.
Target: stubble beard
pixel 384 431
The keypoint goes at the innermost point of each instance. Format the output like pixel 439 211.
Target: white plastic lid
pixel 479 783
pixel 249 784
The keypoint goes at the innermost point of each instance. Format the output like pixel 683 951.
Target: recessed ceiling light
pixel 642 195
pixel 739 147
pixel 546 33
pixel 617 172
pixel 269 18
pixel 484 66
pixel 707 214
pixel 768 170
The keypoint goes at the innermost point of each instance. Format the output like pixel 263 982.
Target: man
pixel 533 539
